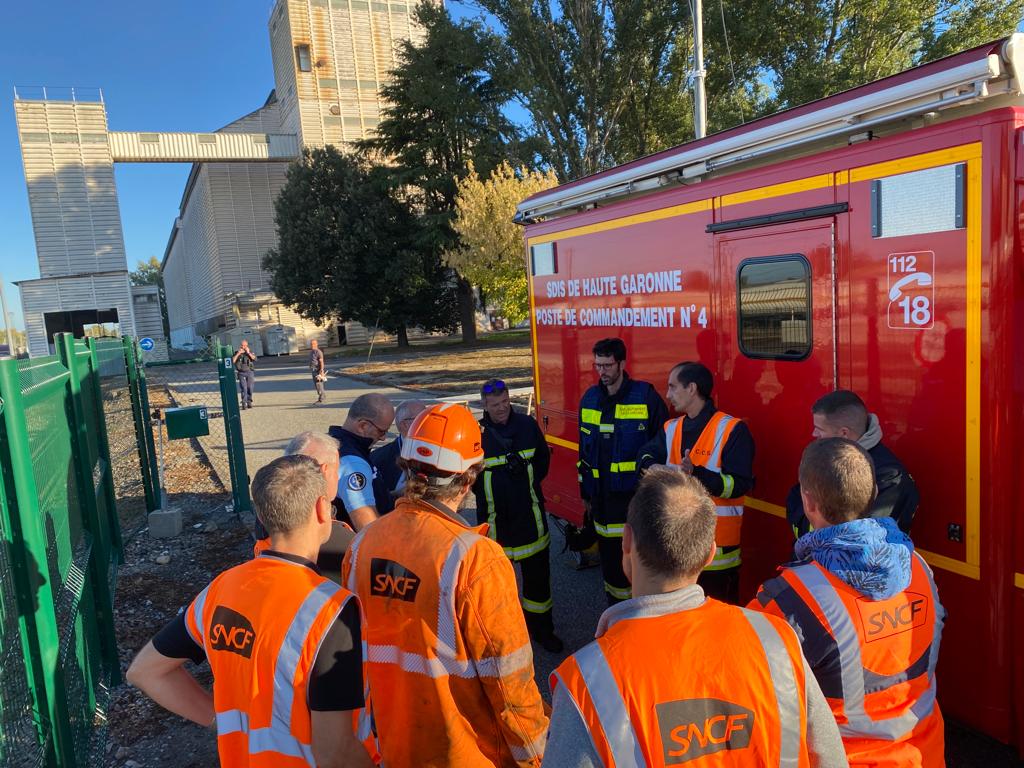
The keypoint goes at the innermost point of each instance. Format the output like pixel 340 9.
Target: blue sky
pixel 187 65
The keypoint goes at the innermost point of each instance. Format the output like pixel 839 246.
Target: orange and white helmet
pixel 444 437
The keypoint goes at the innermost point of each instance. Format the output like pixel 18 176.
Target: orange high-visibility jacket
pixel 716 684
pixel 707 453
pixel 874 660
pixel 446 649
pixel 260 624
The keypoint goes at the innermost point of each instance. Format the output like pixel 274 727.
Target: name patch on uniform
pixel 357 481
pixel 694 728
pixel 231 631
pixel 391 579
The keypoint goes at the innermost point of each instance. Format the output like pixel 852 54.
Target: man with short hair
pixel 361 492
pixel 317 370
pixel 448 656
pixel 718 450
pixel 284 643
pixel 323 449
pixel 867 612
pixel 674 676
pixel 616 417
pixel 385 458
pixel 843 414
pixel 509 497
pixel 244 361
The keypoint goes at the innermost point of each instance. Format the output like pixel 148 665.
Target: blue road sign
pixel 147 344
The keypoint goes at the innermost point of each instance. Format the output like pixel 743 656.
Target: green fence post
pixel 89 487
pixel 113 522
pixel 143 423
pixel 233 430
pixel 37 620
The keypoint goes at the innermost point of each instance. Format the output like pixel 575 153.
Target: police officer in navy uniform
pixel 617 417
pixel 509 499
pixel 361 492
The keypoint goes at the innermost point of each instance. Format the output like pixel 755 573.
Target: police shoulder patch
pixel 357 481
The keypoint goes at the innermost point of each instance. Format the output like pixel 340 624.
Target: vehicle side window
pixel 774 307
pixel 543 259
pixel 919 202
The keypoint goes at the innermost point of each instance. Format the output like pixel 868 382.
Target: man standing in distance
pixel 674 677
pixel 361 493
pixel 867 612
pixel 508 494
pixel 243 361
pixel 385 458
pixel 717 449
pixel 617 416
pixel 316 369
pixel 284 643
pixel 843 414
pixel 448 656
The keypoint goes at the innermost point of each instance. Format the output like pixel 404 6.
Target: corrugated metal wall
pixel 136 147
pixel 149 321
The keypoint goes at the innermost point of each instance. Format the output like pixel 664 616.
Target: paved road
pixel 284 406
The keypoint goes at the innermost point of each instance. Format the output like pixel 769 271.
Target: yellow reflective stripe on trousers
pixel 623 466
pixel 590 416
pixel 613 530
pixel 724 561
pixel 783 677
pixel 609 707
pixel 534 607
pixel 638 411
pixel 528 550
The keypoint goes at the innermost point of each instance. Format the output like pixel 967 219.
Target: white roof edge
pixel 933 92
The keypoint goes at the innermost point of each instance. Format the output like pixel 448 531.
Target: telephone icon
pixel 923 279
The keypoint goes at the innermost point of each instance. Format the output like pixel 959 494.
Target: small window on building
pixel 303 59
pixel 149 138
pixel 774 307
pixel 919 202
pixel 207 138
pixel 543 259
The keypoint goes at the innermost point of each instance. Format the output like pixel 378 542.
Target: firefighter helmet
pixel 444 437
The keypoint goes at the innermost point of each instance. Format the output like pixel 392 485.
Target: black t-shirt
pixel 336 680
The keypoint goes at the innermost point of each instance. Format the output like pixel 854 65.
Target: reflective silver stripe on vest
pixel 670 437
pixel 446 647
pixel 787 697
pixel 263 739
pixel 353 561
pixel 198 606
pixel 609 707
pixel 715 460
pixel 492 666
pixel 291 649
pixel 859 724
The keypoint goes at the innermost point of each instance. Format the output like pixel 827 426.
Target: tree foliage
pixel 445 113
pixel 350 246
pixel 147 273
pixel 491 250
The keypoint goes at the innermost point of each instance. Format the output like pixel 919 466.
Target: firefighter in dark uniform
pixel 510 501
pixel 617 416
pixel 718 450
pixel 362 495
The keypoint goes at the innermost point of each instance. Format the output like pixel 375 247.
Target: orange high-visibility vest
pixel 883 696
pixel 447 653
pixel 707 453
pixel 260 624
pixel 716 681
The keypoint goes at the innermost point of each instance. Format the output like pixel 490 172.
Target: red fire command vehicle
pixel 868 241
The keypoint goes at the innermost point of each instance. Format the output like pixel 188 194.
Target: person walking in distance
pixel 617 416
pixel 448 655
pixel 243 361
pixel 284 643
pixel 508 495
pixel 316 369
pixel 675 677
pixel 843 414
pixel 718 450
pixel 867 611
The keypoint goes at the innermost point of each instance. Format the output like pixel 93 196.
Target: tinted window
pixel 774 308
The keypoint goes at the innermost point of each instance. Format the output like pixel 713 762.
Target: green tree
pixel 149 273
pixel 445 112
pixel 350 246
pixel 490 253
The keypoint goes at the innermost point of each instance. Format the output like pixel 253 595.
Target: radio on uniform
pixel 188 422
